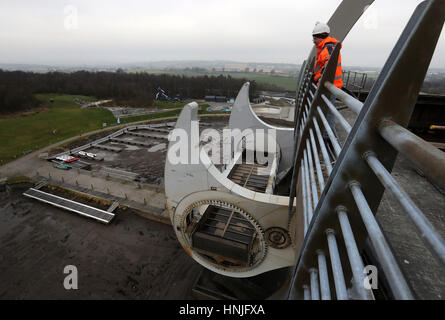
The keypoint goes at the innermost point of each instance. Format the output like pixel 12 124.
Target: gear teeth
pixel 246 215
pixel 291 227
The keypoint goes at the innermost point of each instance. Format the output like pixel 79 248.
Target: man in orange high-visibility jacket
pixel 325 45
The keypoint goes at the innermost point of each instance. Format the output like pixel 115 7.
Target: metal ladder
pixel 340 200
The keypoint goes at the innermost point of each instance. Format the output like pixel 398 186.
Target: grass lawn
pixel 168 104
pixel 173 113
pixel 165 114
pixel 65 100
pixel 284 82
pixel 64 119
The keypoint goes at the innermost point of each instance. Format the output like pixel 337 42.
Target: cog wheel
pixel 259 233
pixel 292 226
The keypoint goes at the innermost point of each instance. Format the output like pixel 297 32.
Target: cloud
pixel 248 30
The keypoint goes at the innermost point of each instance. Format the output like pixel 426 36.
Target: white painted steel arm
pixel 243 117
pixel 191 183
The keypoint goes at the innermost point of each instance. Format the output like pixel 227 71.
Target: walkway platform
pixel 158 130
pixel 69 205
pixel 132 142
pixel 121 173
pixel 108 148
pixel 148 135
pixel 246 175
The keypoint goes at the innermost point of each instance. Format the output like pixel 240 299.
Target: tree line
pixel 434 84
pixel 17 88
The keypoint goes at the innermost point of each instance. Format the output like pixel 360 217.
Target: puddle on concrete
pixel 158 147
pixel 127 137
pixel 106 155
pixel 102 154
pixel 131 148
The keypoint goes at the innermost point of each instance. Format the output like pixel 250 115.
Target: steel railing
pixel 355 81
pixel 340 186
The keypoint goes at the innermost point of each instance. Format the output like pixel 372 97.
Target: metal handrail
pixel 362 169
pixel 426 230
pixel 361 84
pixel 354 104
pixel 423 154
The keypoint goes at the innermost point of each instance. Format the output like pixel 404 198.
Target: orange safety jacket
pixel 324 50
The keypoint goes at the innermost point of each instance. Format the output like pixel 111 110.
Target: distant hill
pixel 217 65
pixel 205 65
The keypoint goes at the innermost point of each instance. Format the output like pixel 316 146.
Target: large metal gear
pixel 263 246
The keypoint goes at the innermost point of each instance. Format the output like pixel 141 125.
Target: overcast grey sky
pixel 113 31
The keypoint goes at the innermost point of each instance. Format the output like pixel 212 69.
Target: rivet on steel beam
pixel 315 290
pixel 342 208
pixel 306 293
pixel 367 154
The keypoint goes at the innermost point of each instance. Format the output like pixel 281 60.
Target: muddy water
pixel 132 258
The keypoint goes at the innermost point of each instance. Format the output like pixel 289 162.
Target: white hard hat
pixel 321 27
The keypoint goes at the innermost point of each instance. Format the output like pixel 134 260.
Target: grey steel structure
pixel 341 201
pixel 320 230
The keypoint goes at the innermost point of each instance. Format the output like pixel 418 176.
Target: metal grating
pixel 80 208
pixel 224 234
pixel 247 176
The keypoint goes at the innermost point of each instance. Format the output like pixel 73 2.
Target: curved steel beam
pixel 189 184
pixel 243 117
pixel 344 18
pixel 341 22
